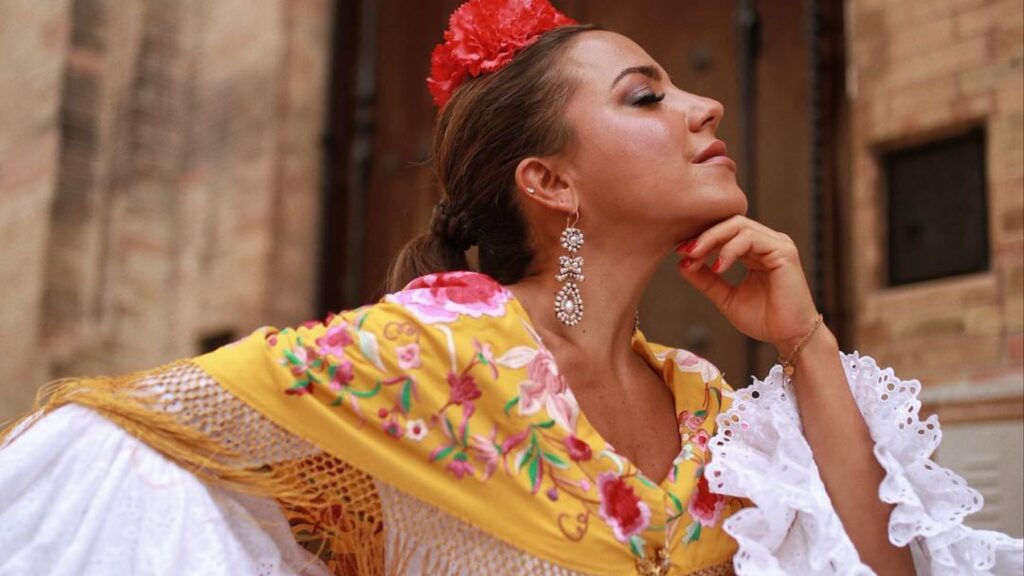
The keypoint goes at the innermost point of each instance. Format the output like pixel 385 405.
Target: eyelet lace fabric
pixel 760 453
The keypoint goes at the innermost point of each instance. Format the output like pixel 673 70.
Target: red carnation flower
pixel 621 508
pixel 483 36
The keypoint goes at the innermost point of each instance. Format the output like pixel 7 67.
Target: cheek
pixel 613 150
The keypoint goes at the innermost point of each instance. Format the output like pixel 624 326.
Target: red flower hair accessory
pixel 483 36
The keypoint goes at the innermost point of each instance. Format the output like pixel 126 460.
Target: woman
pixel 514 420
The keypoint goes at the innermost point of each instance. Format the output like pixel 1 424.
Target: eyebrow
pixel 647 70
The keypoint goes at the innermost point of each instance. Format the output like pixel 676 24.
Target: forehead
pixel 598 56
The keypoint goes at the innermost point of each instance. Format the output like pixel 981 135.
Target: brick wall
pixel 920 69
pixel 161 183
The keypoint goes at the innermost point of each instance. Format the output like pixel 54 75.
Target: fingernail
pixel 717 265
pixel 688 246
pixel 686 262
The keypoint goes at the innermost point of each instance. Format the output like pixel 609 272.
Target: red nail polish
pixel 718 264
pixel 689 246
pixel 686 262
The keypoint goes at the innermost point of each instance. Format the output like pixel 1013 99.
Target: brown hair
pixel 490 124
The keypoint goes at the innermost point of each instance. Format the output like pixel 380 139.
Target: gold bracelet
pixel 788 366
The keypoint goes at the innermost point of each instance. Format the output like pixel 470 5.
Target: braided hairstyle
pixel 490 124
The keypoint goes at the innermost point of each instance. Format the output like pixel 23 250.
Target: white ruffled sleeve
pixel 80 496
pixel 759 453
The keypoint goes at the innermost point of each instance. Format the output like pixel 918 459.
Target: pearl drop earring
pixel 568 302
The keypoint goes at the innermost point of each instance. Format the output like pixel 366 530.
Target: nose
pixel 702 111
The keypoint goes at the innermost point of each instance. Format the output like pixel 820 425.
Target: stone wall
pixel 160 185
pixel 919 69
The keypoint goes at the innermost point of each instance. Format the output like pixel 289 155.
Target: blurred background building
pixel 176 173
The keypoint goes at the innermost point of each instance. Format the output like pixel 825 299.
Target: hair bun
pixel 452 227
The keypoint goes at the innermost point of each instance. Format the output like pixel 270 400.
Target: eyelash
pixel 648 99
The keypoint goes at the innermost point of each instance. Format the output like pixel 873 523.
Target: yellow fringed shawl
pixel 445 392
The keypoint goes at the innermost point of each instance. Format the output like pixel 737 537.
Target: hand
pixel 773 302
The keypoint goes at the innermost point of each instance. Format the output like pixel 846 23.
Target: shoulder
pixel 446 297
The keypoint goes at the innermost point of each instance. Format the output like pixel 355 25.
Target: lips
pixel 715 148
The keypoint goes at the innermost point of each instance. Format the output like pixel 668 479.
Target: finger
pixel 734 249
pixel 708 283
pixel 708 240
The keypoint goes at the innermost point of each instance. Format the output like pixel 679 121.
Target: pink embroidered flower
pixel 621 508
pixel 463 391
pixel 579 451
pixel 546 387
pixel 342 374
pixel 486 451
pixel 334 341
pixel 408 356
pixel 705 507
pixel 687 361
pixel 460 468
pixel 443 297
pixel 700 439
pixel 415 430
pixel 692 421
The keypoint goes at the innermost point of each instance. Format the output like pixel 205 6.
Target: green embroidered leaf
pixel 545 424
pixel 636 546
pixel 692 532
pixel 368 346
pixel 442 454
pixel 448 426
pixel 460 456
pixel 646 482
pixel 292 357
pixel 555 460
pixel 338 400
pixel 300 384
pixel 465 434
pixel 524 455
pixel 359 322
pixel 510 404
pixel 534 464
pixel 700 413
pixel 331 370
pixel 482 359
pixel 368 393
pixel 675 501
pixel 407 395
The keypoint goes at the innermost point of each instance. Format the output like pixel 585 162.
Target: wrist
pixel 821 337
pixel 789 348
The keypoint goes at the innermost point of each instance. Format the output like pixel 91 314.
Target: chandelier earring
pixel 568 302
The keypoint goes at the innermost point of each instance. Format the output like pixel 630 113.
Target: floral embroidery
pixel 704 507
pixel 408 356
pixel 687 361
pixel 621 508
pixel 444 297
pixel 535 437
pixel 416 430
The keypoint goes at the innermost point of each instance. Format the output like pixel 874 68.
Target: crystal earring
pixel 568 303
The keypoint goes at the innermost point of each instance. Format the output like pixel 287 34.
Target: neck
pixel 616 275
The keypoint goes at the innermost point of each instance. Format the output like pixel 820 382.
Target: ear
pixel 545 181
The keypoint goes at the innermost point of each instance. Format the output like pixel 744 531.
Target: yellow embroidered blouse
pixel 445 391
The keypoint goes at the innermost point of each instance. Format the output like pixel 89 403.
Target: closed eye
pixel 648 98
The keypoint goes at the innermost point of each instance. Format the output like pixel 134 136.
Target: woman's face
pixel 638 137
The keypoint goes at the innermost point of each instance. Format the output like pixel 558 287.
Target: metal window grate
pixel 937 209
